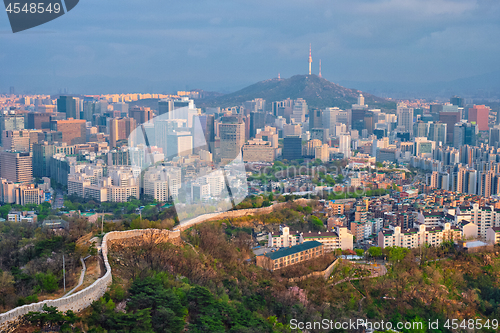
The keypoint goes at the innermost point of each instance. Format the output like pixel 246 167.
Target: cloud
pixel 236 41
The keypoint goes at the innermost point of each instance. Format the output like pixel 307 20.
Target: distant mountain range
pixel 318 92
pixel 484 86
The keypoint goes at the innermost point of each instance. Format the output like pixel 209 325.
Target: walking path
pixel 80 282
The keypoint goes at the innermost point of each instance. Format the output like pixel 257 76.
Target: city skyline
pixel 224 48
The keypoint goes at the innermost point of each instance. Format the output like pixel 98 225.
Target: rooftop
pixel 293 249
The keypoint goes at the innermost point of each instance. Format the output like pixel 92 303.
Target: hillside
pixel 318 92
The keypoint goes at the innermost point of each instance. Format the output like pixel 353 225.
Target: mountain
pixel 484 86
pixel 318 92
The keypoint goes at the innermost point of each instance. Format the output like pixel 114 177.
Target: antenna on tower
pixel 310 59
pixel 279 76
pixel 319 68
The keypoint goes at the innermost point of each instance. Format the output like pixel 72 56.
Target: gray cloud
pixel 163 45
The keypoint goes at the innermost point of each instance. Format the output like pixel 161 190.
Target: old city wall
pixel 84 298
pixel 240 213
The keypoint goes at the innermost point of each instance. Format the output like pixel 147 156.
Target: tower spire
pixel 310 59
pixel 319 68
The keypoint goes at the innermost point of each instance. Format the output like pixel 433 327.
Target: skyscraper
pixel 345 145
pixel 405 118
pixel 315 119
pixel 38 120
pixel 464 134
pixel 73 130
pixel 41 158
pixel 69 105
pixel 179 144
pixel 89 109
pixel 494 137
pixel 299 110
pixel 257 121
pixel 232 137
pixel 11 123
pixel 420 129
pixel 292 147
pixel 16 166
pixel 480 115
pixel 16 140
pixel 458 101
pixel 140 114
pixel 450 118
pixel 437 132
pixel 120 129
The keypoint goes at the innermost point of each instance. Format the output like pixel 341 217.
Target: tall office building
pixel 42 152
pixel 437 133
pixel 480 115
pixel 179 144
pixel 38 120
pixel 165 106
pixel 464 134
pixel 73 130
pixel 358 119
pixel 494 137
pixel 120 129
pixel 405 118
pixel 292 147
pixel 69 106
pixel 450 118
pixel 345 145
pixel 11 123
pixel 420 129
pixel 232 137
pixel 257 121
pixel 210 133
pixel 458 101
pixel 140 114
pixel 16 166
pixel 315 119
pixel 89 109
pixel 16 140
pixel 299 110
pixel 329 119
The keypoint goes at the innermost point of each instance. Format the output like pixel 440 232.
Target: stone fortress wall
pixel 84 298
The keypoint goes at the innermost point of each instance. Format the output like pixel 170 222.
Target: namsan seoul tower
pixel 310 59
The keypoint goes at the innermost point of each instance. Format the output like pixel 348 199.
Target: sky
pixel 160 46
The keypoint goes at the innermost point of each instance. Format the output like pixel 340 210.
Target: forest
pixel 215 286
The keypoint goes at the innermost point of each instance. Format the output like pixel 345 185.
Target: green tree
pixel 375 251
pixel 47 282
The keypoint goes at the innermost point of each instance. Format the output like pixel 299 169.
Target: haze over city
pixel 227 166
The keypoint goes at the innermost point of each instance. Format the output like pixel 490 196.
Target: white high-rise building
pixel 345 145
pixel 405 118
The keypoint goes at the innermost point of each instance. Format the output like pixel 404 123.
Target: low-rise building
pixel 292 255
pixel 29 217
pixel 493 235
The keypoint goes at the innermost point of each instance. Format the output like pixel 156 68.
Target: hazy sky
pixel 161 45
